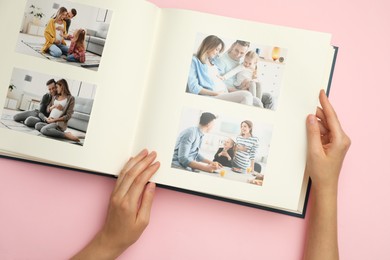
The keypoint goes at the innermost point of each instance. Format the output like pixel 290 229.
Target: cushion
pixel 103 30
pixel 91 32
pixel 83 105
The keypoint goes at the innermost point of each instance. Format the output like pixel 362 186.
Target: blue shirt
pixel 226 64
pixel 187 147
pixel 198 77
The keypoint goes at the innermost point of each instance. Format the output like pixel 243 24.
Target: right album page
pixel 226 107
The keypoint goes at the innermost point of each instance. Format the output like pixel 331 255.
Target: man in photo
pixel 71 13
pixel 186 154
pixel 30 118
pixel 230 60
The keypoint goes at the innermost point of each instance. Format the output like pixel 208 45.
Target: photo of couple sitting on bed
pixel 233 75
pixel 221 146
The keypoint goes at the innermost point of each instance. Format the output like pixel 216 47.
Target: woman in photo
pixel 204 77
pixel 246 149
pixel 55 34
pixel 61 110
pixel 76 51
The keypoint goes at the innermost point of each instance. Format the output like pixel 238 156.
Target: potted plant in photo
pixel 11 87
pixel 37 13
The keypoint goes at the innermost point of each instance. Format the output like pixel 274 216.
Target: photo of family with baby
pixel 245 73
pixel 220 146
pixel 64 32
pixel 47 106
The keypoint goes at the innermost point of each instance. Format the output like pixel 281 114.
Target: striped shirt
pixel 243 158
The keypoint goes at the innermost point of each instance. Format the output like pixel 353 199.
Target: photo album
pixel 86 84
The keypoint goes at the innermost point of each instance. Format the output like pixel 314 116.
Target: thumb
pixel 314 143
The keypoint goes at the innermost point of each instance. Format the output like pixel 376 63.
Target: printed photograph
pixel 48 106
pixel 65 32
pixel 236 70
pixel 220 146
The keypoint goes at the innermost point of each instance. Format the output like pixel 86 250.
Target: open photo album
pixel 86 84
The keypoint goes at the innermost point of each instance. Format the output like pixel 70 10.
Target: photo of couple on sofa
pixel 237 154
pixel 55 110
pixel 230 75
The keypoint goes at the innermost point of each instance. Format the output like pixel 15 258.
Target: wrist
pixel 105 247
pixel 327 190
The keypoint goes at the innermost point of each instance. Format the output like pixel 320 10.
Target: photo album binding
pixel 86 84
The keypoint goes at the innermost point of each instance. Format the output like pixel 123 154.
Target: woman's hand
pixel 129 210
pixel 50 120
pixel 327 146
pixel 241 147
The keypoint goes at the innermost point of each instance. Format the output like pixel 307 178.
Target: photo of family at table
pixel 245 73
pixel 217 145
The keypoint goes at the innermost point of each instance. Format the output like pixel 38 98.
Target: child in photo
pixel 76 51
pixel 225 154
pixel 247 70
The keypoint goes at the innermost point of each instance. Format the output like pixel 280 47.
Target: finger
pixel 134 193
pixel 330 115
pixel 122 174
pixel 133 173
pixel 130 163
pixel 314 143
pixel 323 129
pixel 325 139
pixel 320 114
pixel 139 157
pixel 143 216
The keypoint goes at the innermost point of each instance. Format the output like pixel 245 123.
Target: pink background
pixel 49 213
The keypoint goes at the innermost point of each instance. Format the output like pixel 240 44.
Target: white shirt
pixel 59 33
pixel 56 113
pixel 219 84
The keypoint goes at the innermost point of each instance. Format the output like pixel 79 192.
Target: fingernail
pixel 143 152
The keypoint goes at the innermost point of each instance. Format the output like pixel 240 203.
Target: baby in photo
pixel 246 71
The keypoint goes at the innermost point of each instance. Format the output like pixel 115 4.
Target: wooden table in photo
pixel 231 175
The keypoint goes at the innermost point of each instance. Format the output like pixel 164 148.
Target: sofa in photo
pixel 81 114
pixel 96 39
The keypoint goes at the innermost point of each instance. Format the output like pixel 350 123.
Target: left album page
pixel 72 79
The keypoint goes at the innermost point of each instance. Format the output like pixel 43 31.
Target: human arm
pixel 44 103
pixel 199 81
pixel 225 154
pixel 128 212
pixel 208 166
pixel 253 152
pixel 68 111
pixel 327 147
pixel 189 141
pixel 71 48
pixel 50 32
pixel 233 72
